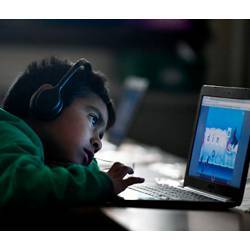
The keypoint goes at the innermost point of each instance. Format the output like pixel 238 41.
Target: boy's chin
pixel 85 162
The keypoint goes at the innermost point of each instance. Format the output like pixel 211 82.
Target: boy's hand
pixel 117 173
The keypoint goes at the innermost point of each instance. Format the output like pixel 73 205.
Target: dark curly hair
pixel 50 70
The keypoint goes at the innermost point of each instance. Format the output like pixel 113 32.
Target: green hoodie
pixel 25 180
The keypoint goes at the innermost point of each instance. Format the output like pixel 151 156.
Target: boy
pixel 48 159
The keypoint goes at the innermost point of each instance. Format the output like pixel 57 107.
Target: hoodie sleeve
pixel 26 180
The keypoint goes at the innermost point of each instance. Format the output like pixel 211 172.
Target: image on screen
pixel 220 143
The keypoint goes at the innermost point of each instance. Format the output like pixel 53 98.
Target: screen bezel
pixel 236 194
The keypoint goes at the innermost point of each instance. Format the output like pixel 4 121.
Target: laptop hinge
pixel 209 195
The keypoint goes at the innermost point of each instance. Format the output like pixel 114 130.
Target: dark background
pixel 176 56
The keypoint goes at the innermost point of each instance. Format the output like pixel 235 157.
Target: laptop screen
pixel 221 141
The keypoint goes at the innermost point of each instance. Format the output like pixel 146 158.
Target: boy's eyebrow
pixel 100 117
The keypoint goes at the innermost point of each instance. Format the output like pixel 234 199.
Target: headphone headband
pixel 80 64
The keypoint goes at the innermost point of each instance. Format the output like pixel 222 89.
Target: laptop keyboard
pixel 166 192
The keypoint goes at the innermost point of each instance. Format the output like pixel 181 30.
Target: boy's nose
pixel 96 143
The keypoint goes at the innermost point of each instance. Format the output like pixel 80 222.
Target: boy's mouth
pixel 88 156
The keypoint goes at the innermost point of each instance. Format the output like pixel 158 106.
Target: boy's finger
pixel 128 170
pixel 122 170
pixel 117 164
pixel 133 180
pixel 119 167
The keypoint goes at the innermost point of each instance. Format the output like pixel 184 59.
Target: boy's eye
pixel 93 119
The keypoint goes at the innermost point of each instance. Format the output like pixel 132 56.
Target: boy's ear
pixel 39 91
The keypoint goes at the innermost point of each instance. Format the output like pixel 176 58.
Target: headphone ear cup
pixel 46 103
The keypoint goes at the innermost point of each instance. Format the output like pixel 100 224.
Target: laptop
pixel 218 162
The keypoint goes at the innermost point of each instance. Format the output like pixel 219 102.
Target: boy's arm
pixel 26 180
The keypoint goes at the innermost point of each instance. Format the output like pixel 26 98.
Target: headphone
pixel 47 102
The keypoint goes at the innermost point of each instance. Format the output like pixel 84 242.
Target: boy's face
pixel 76 134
